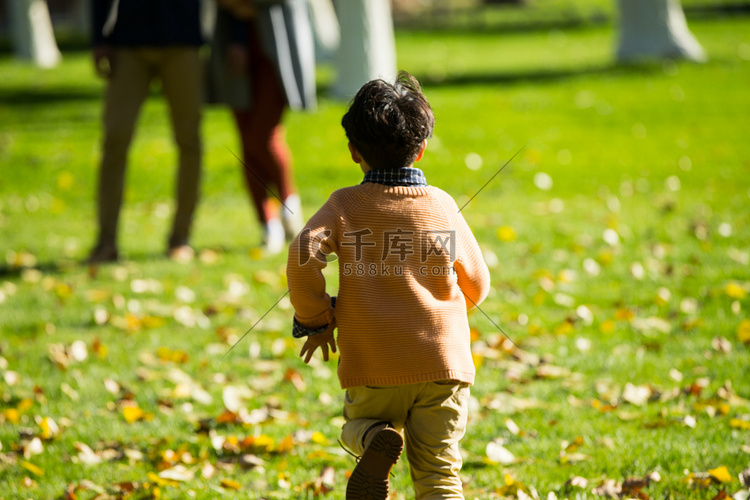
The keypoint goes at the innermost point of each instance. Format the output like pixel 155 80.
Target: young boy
pixel 409 270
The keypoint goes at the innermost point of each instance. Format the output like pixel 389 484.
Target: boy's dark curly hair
pixel 387 123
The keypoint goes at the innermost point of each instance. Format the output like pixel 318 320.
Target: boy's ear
pixel 356 157
pixel 421 151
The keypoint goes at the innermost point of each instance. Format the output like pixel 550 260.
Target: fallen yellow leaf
pixel 478 360
pixel 624 314
pixel 506 233
pixel 12 415
pixel 734 290
pixel 34 469
pixel 721 474
pixel 134 414
pixel 49 428
pixel 319 438
pixel 736 423
pixel 607 326
pixel 65 180
pixel 564 328
pixel 743 331
pixel 475 334
pixel 160 481
pixel 25 404
pixel 152 321
pixel 230 484
pixel 286 445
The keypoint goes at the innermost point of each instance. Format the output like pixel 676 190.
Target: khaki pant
pixel 179 70
pixel 432 417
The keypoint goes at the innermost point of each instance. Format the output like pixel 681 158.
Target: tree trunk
pixel 33 38
pixel 367 50
pixel 325 28
pixel 655 29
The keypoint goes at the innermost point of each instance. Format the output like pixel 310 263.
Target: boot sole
pixel 369 480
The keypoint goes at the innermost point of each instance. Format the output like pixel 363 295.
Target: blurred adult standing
pixel 135 43
pixel 263 62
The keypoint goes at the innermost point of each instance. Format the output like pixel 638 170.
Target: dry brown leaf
pixel 636 395
pixel 296 379
pixel 608 488
pixel 322 484
pixel 207 470
pixel 178 473
pixel 721 344
pixel 86 455
pixel 285 445
pixel 576 482
pixel 497 453
pixel 744 478
pixel 547 371
pixel 633 486
pixel 573 458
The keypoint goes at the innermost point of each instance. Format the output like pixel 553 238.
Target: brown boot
pixel 369 480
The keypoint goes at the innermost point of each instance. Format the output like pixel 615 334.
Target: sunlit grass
pixel 618 242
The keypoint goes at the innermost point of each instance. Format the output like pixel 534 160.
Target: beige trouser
pixel 432 417
pixel 133 70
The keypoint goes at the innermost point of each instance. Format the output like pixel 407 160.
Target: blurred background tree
pixel 32 34
pixel 655 29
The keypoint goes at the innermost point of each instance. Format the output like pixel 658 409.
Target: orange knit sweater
pixel 409 268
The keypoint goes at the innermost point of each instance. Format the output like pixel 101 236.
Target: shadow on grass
pixel 26 96
pixel 44 268
pixel 479 22
pixel 542 75
pixel 428 79
pixel 475 465
pixel 67 265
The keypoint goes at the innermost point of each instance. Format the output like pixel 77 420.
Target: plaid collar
pixel 407 176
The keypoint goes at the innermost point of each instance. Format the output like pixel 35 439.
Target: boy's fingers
pixel 306 352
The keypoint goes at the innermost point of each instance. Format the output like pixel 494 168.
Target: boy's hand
pixel 323 340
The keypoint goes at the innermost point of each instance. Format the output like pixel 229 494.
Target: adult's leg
pixel 255 179
pixel 267 156
pixel 436 424
pixel 126 89
pixel 181 77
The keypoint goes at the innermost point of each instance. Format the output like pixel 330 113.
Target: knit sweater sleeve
pixel 305 264
pixel 471 270
pixel 472 274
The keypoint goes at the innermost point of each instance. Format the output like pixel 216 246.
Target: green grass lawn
pixel 618 241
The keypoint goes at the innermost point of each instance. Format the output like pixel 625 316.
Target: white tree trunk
pixel 33 38
pixel 368 49
pixel 655 29
pixel 325 28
